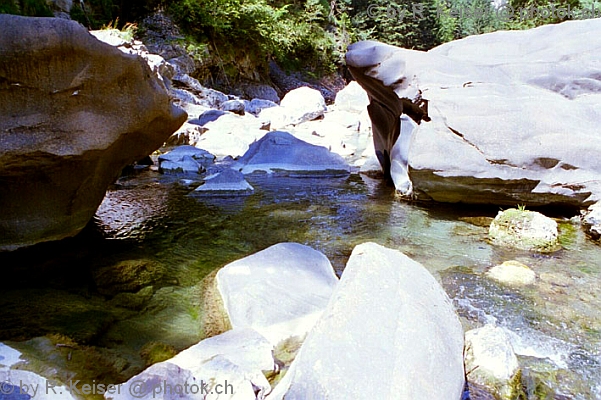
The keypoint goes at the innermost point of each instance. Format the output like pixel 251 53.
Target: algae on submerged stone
pixel 524 230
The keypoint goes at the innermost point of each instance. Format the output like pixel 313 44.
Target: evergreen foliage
pixel 312 34
pixel 35 8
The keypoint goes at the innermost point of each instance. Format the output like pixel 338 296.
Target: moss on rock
pixel 525 230
pixel 127 276
pixel 154 352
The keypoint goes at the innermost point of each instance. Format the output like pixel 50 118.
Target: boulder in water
pixel 389 331
pixel 282 153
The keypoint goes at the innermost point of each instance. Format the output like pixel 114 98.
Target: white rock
pixel 512 273
pixel 593 220
pixel 491 360
pixel 389 332
pixel 233 106
pixel 514 116
pixel 230 134
pixel 525 230
pixel 256 106
pixel 399 167
pixel 331 135
pixel 109 36
pixel 8 356
pixel 280 291
pixel 283 153
pixel 187 134
pixel 346 119
pixel 371 166
pixel 352 98
pixel 301 105
pixel 21 384
pixel 228 366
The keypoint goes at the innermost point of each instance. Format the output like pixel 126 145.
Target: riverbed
pixel 60 304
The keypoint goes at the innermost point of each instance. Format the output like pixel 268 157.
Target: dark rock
pixel 234 106
pixel 255 106
pixel 185 159
pixel 208 97
pixel 260 91
pixel 73 113
pixel 207 116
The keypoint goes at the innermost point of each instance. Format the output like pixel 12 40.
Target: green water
pixel 165 241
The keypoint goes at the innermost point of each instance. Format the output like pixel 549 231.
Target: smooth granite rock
pixel 280 291
pixel 389 332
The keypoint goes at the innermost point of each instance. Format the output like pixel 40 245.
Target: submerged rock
pixel 283 153
pixel 492 362
pixel 127 276
pixel 525 230
pixel 280 291
pixel 512 273
pixel 69 125
pixel 389 331
pixel 25 385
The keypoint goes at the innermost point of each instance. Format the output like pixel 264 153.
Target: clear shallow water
pixel 175 239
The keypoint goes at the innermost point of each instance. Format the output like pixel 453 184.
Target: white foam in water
pixel 8 356
pixel 531 343
pixel 483 317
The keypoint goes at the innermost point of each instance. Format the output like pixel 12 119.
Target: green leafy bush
pixel 294 33
pixel 32 8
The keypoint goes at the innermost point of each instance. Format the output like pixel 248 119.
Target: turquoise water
pixel 171 240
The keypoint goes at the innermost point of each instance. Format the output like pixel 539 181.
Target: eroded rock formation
pixel 514 114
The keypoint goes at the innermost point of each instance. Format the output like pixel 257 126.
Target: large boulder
pixel 389 332
pixel 73 112
pixel 280 152
pixel 280 291
pixel 514 114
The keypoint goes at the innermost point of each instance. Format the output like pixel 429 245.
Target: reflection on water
pixel 164 241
